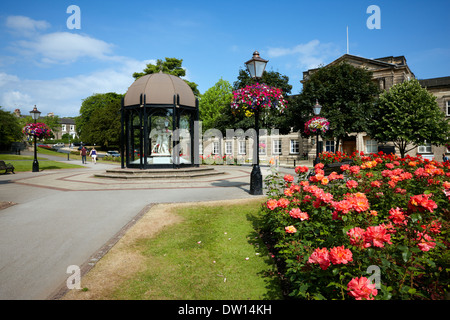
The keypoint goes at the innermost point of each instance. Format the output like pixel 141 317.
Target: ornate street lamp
pixel 256 67
pixel 317 108
pixel 35 114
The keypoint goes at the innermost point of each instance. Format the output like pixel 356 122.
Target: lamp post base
pixel 256 181
pixel 35 166
pixel 317 160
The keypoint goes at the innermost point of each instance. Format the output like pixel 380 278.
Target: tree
pixel 10 129
pixel 346 94
pixel 213 102
pixel 268 119
pixel 99 120
pixel 170 66
pixel 408 115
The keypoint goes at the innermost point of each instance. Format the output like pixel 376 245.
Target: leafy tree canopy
pixel 10 129
pixel 171 66
pixel 99 120
pixel 213 103
pixel 346 94
pixel 408 115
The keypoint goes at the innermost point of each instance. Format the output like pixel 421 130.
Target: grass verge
pixel 9 157
pixel 208 252
pixel 27 165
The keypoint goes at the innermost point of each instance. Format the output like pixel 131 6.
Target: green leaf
pixel 415 217
pixel 318 296
pixel 412 291
pixel 406 254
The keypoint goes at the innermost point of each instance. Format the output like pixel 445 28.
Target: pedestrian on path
pixel 93 154
pixel 83 153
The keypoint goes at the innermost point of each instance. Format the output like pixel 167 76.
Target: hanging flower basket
pixel 38 130
pixel 257 97
pixel 317 125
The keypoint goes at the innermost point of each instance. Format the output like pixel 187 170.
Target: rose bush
pixel 378 231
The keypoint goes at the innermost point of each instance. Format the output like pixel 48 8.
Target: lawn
pixel 212 253
pixel 27 165
pixel 9 157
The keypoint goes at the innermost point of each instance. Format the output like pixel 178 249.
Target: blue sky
pixel 44 63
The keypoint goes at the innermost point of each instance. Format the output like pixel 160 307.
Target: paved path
pixel 64 217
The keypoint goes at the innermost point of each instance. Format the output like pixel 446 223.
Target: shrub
pixel 378 231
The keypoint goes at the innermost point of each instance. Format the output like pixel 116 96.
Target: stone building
pixel 440 88
pixel 387 72
pixel 66 126
pixel 290 148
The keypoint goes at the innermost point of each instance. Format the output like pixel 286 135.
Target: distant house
pixel 67 126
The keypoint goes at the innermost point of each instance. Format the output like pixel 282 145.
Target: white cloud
pixel 309 55
pixel 65 47
pixel 25 26
pixel 62 96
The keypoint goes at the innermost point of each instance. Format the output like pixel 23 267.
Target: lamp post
pixel 35 114
pixel 317 108
pixel 255 67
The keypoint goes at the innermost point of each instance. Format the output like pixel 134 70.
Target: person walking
pixel 83 153
pixel 93 155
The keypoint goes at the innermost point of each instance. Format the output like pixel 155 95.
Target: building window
pixel 72 128
pixel 447 108
pixel 276 147
pixel 262 147
pixel 215 147
pixel 242 147
pixel 425 148
pixel 228 147
pixel 329 145
pixel 295 147
pixel 371 146
pixel 63 127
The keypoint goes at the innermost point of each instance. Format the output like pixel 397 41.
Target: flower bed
pixel 377 233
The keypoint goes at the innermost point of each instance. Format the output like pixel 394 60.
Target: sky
pixel 53 57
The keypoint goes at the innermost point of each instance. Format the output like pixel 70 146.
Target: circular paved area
pixel 84 180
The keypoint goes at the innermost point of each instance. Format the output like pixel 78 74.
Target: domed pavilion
pixel 158 115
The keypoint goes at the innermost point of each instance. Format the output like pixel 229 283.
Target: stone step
pixel 184 173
